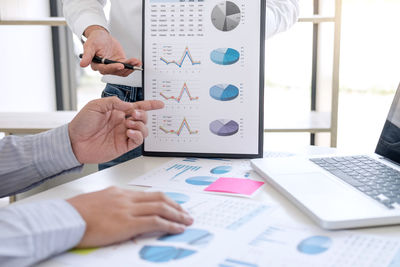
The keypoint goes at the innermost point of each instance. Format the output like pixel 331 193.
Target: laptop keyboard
pixel 370 176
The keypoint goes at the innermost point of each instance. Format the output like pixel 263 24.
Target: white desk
pixel 122 174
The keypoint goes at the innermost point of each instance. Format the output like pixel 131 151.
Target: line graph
pixel 184 124
pixel 179 63
pixel 178 99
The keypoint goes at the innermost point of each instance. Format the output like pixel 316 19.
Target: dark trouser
pixel 127 94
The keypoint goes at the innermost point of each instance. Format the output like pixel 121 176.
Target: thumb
pixel 88 54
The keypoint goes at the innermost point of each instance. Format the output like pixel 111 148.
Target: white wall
pixel 26 68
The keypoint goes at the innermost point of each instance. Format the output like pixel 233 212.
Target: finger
pixel 148 224
pixel 135 139
pixel 88 54
pixel 133 61
pixel 111 103
pixel 148 105
pixel 139 115
pixel 112 69
pixel 155 196
pixel 138 126
pixel 163 210
pixel 95 66
pixel 125 72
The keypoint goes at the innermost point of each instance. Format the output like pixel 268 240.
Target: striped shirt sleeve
pixel 32 232
pixel 27 161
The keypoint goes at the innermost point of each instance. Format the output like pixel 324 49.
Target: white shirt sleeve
pixel 281 15
pixel 30 233
pixel 81 14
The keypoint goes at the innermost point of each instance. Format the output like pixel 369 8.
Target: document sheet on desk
pixel 238 232
pixel 196 174
pixel 220 224
pixel 297 245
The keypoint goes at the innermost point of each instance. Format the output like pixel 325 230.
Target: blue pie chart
pixel 225 56
pixel 314 245
pixel 164 253
pixel 224 92
pixel 221 169
pixel 178 197
pixel 201 180
pixel 224 127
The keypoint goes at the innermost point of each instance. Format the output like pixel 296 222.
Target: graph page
pixel 204 60
pixel 293 244
pixel 221 223
pixel 196 174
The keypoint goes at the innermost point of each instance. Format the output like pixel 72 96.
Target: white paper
pixel 299 245
pixel 237 232
pixel 202 59
pixel 220 224
pixel 195 174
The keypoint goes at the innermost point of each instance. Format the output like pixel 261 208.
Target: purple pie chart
pixel 224 127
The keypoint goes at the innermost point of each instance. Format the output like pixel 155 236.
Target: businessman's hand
pixel 101 43
pixel 114 215
pixel 107 128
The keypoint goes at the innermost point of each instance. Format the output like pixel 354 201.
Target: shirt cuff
pixel 35 231
pixel 53 152
pixel 88 19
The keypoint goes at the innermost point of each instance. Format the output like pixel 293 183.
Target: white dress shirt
pixel 32 232
pixel 125 25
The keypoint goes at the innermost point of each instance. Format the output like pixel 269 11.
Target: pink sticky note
pixel 234 186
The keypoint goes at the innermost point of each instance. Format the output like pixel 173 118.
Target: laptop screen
pixel 389 141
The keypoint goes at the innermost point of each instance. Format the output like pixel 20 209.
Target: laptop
pixel 344 191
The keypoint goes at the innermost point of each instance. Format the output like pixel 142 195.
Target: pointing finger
pixel 148 105
pixel 88 54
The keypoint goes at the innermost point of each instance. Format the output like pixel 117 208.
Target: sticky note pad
pixel 234 186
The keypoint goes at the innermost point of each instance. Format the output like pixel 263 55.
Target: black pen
pixel 100 60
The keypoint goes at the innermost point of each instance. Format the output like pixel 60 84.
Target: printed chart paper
pixel 204 60
pixel 196 174
pixel 238 232
pixel 220 224
pixel 294 244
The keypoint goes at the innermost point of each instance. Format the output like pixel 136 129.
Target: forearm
pixel 81 14
pixel 25 161
pixel 281 15
pixel 32 232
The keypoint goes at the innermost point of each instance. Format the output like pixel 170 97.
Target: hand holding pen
pixel 100 42
pixel 100 60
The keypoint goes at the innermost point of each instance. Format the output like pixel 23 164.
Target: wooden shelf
pixel 317 19
pixel 313 122
pixel 33 122
pixel 50 21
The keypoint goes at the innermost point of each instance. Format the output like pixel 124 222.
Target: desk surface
pixel 122 174
pixel 33 122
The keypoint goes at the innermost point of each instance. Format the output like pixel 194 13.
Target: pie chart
pixel 201 180
pixel 164 253
pixel 221 169
pixel 224 92
pixel 226 16
pixel 224 127
pixel 225 56
pixel 314 245
pixel 178 197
